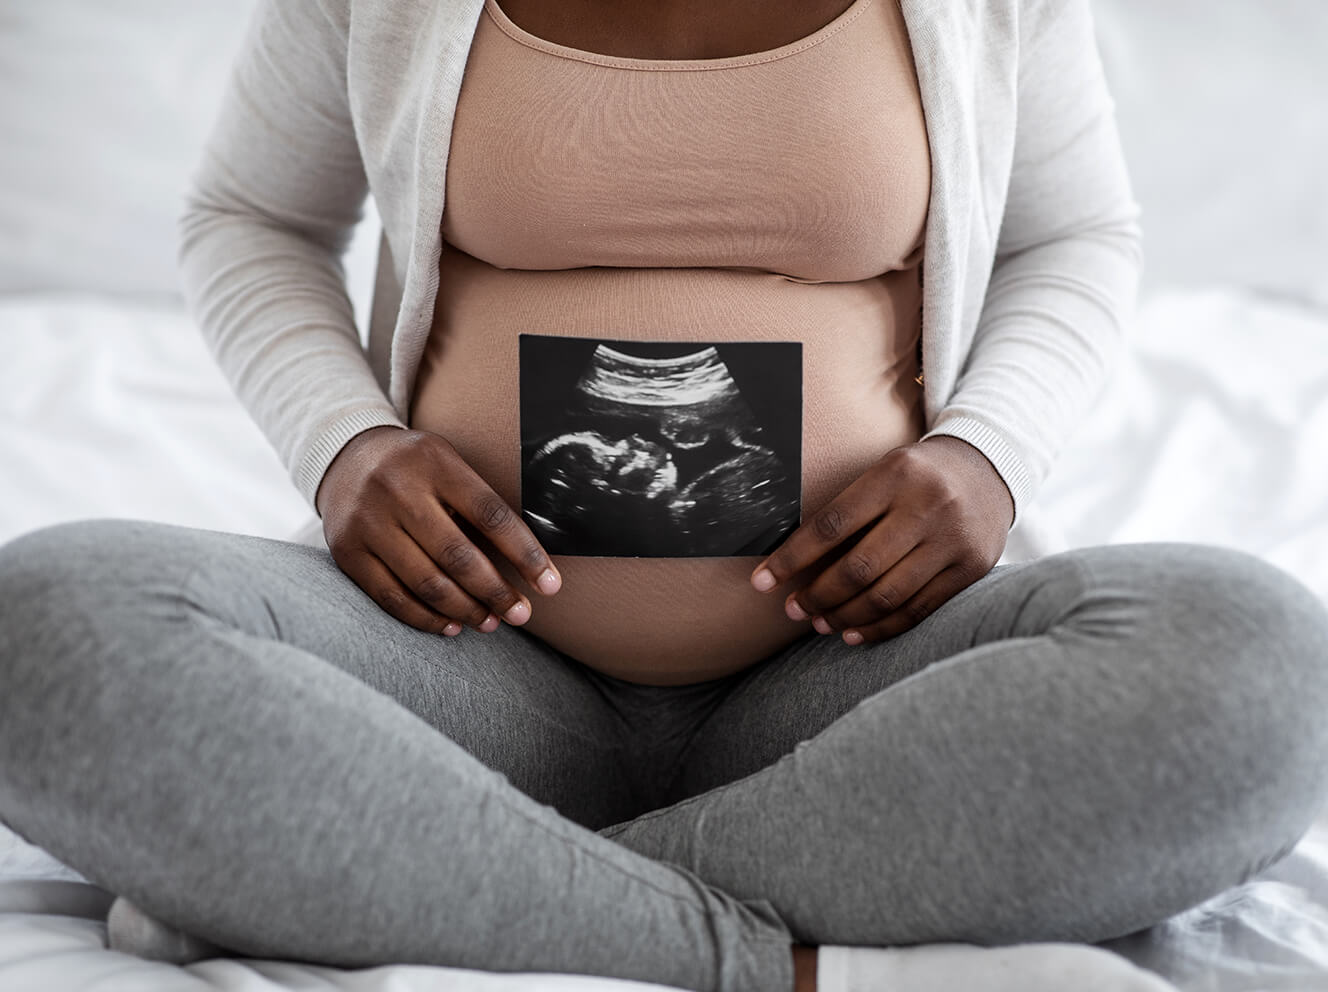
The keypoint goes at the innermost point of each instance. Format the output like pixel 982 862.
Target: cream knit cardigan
pixel 1032 253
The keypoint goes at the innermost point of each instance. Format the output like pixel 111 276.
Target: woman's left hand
pixel 926 521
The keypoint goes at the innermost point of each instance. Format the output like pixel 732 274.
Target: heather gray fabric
pixel 226 730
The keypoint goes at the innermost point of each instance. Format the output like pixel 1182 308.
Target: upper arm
pixel 1068 173
pixel 278 192
pixel 1067 259
pixel 283 148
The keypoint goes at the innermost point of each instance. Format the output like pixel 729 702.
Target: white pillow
pixel 103 109
pixel 1221 107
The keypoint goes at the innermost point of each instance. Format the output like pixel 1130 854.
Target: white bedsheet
pixel 1215 429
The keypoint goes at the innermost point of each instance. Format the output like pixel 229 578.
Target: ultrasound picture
pixel 633 449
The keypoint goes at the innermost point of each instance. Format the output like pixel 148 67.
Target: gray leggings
pixel 227 731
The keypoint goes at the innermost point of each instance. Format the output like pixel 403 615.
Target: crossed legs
pixel 228 732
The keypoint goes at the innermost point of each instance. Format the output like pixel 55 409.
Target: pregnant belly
pixel 668 620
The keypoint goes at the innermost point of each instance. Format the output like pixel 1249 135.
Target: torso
pixel 780 198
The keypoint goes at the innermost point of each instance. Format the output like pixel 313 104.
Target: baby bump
pixel 661 430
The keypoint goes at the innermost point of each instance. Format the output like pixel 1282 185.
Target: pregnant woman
pixel 658 634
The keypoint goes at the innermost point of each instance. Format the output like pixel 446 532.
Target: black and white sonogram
pixel 632 449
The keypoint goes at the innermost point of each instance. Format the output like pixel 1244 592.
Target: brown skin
pixel 673 29
pixel 921 524
pixel 390 503
pixel 916 527
pixel 804 968
pixel 926 521
pixel 402 511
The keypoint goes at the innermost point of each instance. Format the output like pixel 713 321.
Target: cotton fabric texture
pixel 780 197
pixel 1031 254
pixel 230 733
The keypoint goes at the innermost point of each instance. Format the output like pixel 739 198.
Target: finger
pixel 918 608
pixel 845 578
pixel 862 503
pixel 421 575
pixel 469 568
pixel 891 591
pixel 503 527
pixel 378 581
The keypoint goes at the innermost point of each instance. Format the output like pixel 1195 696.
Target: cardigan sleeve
pixel 279 190
pixel 1067 263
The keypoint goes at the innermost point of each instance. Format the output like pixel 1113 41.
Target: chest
pixel 811 162
pixel 674 29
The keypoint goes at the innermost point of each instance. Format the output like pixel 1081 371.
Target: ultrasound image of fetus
pixel 657 457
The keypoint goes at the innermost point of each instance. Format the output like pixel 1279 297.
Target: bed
pixel 1214 427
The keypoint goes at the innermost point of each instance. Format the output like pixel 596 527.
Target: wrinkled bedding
pixel 1214 429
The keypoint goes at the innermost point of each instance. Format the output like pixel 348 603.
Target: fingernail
pixel 518 614
pixel 821 626
pixel 794 611
pixel 489 625
pixel 452 629
pixel 852 638
pixel 549 582
pixel 764 580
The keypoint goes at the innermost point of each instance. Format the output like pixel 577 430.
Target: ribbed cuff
pixel 313 466
pixel 1009 466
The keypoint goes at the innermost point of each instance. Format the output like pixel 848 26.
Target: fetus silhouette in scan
pixel 632 449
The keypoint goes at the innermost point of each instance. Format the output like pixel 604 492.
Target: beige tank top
pixel 679 308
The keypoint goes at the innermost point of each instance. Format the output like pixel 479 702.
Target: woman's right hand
pixel 389 501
